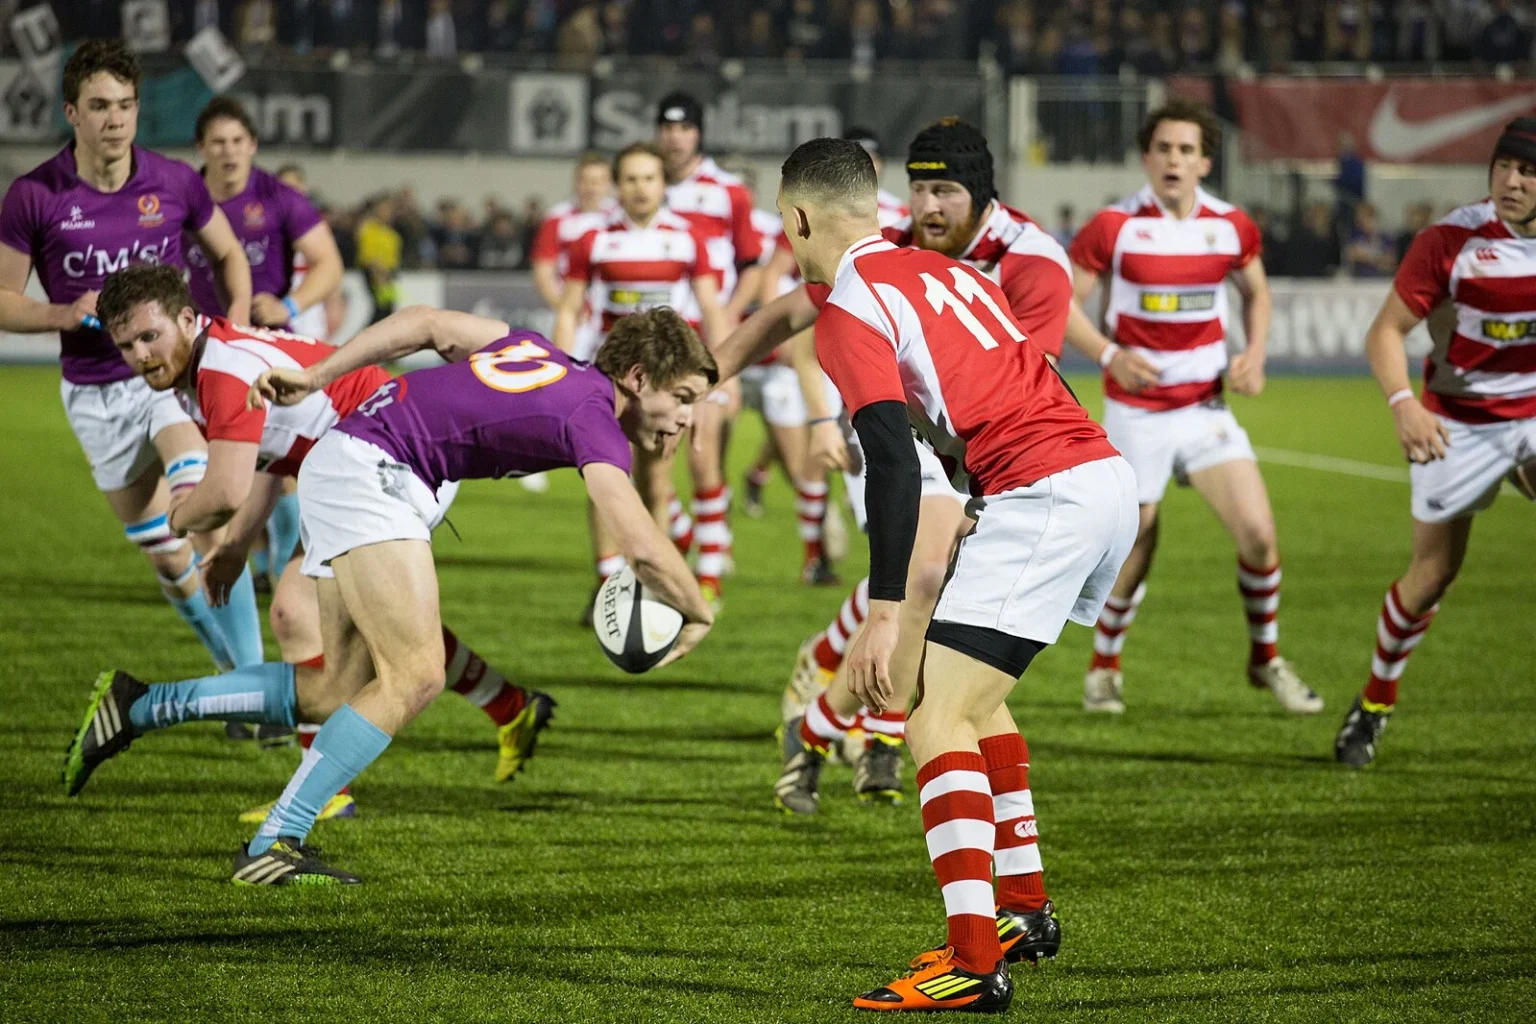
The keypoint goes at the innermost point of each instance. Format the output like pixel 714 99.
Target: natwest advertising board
pixel 1405 120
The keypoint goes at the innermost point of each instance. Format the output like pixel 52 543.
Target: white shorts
pixel 774 391
pixel 352 493
pixel 1043 554
pixel 1176 442
pixel 1476 461
pixel 116 425
pixel 935 481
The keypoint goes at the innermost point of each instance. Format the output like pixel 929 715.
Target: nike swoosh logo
pixel 1395 139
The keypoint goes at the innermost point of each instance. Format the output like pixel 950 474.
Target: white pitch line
pixel 1333 464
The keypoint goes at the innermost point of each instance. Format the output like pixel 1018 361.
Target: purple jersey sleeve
pixel 20 216
pixel 200 205
pixel 595 436
pixel 299 214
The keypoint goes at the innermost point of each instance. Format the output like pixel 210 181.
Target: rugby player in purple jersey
pixel 97 206
pixel 508 403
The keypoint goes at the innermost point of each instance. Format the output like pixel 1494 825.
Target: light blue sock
pixel 241 622
pixel 257 693
pixel 196 612
pixel 343 747
pixel 283 531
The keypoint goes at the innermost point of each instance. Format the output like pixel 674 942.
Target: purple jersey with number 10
pixel 267 217
pixel 76 236
pixel 516 407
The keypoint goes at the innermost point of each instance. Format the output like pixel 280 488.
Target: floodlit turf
pixel 1209 860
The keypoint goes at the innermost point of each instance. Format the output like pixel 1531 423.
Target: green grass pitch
pixel 1209 860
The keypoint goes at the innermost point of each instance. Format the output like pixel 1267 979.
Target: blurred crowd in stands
pixel 1045 37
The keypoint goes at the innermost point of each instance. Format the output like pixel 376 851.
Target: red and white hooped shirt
pixel 232 356
pixel 1167 289
pixel 628 269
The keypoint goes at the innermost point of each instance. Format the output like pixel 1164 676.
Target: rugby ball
pixel 633 628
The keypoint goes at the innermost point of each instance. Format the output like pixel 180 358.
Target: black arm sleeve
pixel 892 493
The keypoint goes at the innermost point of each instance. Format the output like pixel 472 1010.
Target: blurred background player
pixel 97 206
pixel 642 256
pixel 772 388
pixel 295 266
pixel 720 206
pixel 1168 252
pixel 566 222
pixel 1475 422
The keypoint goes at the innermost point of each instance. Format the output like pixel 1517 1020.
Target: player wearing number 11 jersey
pixel 913 339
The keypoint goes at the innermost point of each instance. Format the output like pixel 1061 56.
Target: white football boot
pixel 1101 691
pixel 1280 679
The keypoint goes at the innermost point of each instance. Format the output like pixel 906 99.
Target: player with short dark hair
pixel 101 204
pixel 370 491
pixel 914 339
pixel 1474 423
pixel 1168 253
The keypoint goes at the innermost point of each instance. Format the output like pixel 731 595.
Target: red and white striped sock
pixel 1397 634
pixel 679 525
pixel 811 507
pixel 1109 631
pixel 890 726
pixel 607 565
pixel 1020 882
pixel 821 727
pixel 307 733
pixel 478 683
pixel 957 822
pixel 1261 599
pixel 711 533
pixel 834 639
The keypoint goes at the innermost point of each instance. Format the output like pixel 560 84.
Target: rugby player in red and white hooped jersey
pixel 915 339
pixel 956 212
pixel 720 205
pixel 644 256
pixel 1167 253
pixel 210 365
pixel 562 227
pixel 1473 276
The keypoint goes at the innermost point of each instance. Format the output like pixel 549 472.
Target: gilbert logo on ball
pixel 634 629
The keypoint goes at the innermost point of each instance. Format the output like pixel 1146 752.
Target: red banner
pixel 1403 121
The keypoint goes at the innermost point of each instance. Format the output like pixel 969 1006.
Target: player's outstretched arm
pixel 232 271
pixel 223 565
pixel 1246 373
pixel 764 331
pixel 453 335
pixel 224 487
pixel 650 554
pixel 1422 436
pixel 568 315
pixel 22 315
pixel 828 446
pixel 893 493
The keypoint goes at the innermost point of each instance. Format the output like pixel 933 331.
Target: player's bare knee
pixel 1259 545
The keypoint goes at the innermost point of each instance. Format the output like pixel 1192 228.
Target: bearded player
pixel 99 205
pixel 720 205
pixel 1168 252
pixel 956 212
pixel 1474 276
pixel 370 493
pixel 640 257
pixel 914 339
pixel 210 365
